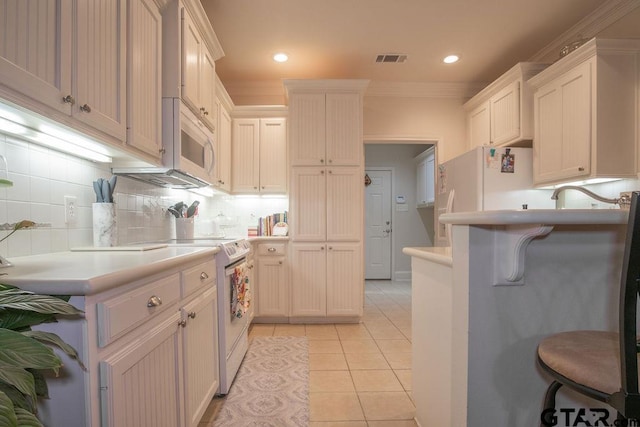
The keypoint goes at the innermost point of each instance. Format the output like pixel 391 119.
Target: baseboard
pixel 402 276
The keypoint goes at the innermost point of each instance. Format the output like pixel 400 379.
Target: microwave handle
pixel 209 146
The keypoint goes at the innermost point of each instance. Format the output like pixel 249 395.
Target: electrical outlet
pixel 70 210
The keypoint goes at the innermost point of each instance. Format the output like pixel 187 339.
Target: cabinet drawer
pixel 198 277
pixel 120 314
pixel 272 249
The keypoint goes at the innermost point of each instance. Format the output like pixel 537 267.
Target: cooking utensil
pixel 97 187
pixel 106 191
pixel 172 210
pixel 191 211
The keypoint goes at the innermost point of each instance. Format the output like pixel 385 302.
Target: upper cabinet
pixel 426 176
pixel 222 169
pixel 259 155
pixel 326 129
pixel 41 63
pixel 501 114
pixel 144 77
pixel 190 51
pixel 586 114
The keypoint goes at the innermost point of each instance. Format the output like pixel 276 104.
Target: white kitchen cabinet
pixel 425 175
pixel 198 71
pixel 333 275
pixel 83 76
pixel 222 169
pixel 586 114
pixel 326 204
pixel 259 155
pixel 272 283
pixel 200 352
pixel 327 129
pixel 144 77
pixel 501 114
pixel 140 385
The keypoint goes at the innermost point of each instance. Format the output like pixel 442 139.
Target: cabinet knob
pixel 330 171
pixel 280 262
pixel 162 150
pixel 68 100
pixel 204 276
pixel 206 113
pixel 255 188
pixel 321 172
pixel 86 108
pixel 271 249
pixel 330 247
pixel 330 161
pixel 182 323
pixel 321 160
pixel 322 248
pixel 263 187
pixel 154 301
pixel 192 314
pixel 580 169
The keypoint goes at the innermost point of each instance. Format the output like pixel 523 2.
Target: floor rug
pixel 271 388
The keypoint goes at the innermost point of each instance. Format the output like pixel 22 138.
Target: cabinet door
pixel 344 124
pixel 192 47
pixel 223 153
pixel 562 143
pixel 430 179
pixel 140 385
pixel 479 126
pixel 273 155
pixel 505 114
pixel 308 279
pixel 307 129
pixel 345 279
pixel 144 78
pixel 345 211
pixel 421 184
pixel 35 49
pixel 100 68
pixel 207 88
pixel 308 219
pixel 272 286
pixel 200 350
pixel 245 148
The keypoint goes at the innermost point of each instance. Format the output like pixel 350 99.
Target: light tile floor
pixel 360 374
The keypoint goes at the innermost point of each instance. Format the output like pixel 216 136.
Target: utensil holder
pixel 105 229
pixel 184 228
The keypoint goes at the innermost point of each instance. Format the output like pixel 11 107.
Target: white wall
pixel 415 226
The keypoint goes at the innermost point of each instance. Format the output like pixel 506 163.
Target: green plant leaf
pixel 19 400
pixel 8 416
pixel 20 379
pixel 24 352
pixel 19 320
pixel 39 303
pixel 40 383
pixel 27 419
pixel 51 338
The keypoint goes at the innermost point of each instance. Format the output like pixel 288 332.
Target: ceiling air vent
pixel 391 57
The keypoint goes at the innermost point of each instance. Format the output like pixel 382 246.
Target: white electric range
pixel 235 308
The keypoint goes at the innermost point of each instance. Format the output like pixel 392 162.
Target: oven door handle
pixel 230 270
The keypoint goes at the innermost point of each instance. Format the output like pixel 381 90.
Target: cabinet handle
pixel 68 100
pixel 255 188
pixel 192 315
pixel 154 301
pixel 204 276
pixel 206 113
pixel 182 323
pixel 162 150
pixel 271 249
pixel 85 108
pixel 580 169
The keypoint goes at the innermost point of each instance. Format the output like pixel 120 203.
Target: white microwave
pixel 188 157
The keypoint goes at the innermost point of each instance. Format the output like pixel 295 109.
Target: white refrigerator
pixel 488 178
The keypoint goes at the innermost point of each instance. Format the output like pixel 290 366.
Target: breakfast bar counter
pixel 513 278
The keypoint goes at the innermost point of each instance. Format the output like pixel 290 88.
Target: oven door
pixel 237 295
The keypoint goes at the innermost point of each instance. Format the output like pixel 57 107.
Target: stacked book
pixel 267 226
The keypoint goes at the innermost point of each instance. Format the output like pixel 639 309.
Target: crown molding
pixel 588 27
pixel 260 111
pixel 423 90
pixel 223 95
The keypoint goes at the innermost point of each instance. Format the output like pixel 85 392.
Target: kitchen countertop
pixel 440 255
pixel 87 273
pixel 538 216
pixel 267 238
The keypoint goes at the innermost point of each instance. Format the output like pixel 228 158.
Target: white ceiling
pixel 339 39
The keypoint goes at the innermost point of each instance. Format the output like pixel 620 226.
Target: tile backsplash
pixel 43 177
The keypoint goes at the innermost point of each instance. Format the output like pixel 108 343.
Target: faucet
pixel 624 200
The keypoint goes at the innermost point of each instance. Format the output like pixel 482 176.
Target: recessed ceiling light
pixel 451 59
pixel 280 57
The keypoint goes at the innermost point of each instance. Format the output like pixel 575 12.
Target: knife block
pixel 105 229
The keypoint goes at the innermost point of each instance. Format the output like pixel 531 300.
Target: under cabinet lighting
pixel 579 183
pixel 12 122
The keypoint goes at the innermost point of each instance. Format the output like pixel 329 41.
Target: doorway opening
pixel 392 218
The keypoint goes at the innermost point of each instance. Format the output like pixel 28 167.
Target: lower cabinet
pixel 272 290
pixel 332 276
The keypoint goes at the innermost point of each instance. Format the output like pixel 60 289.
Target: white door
pixel 378 225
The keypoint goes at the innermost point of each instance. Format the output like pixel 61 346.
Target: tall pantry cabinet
pixel 326 198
